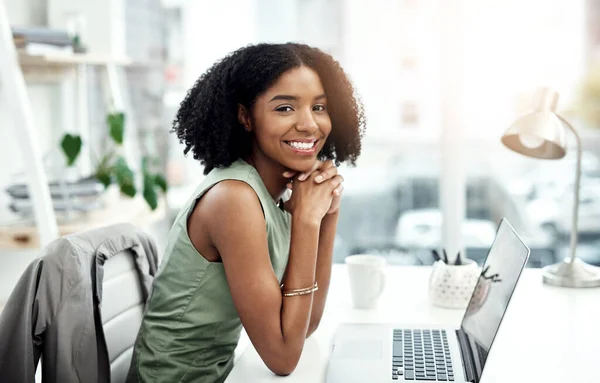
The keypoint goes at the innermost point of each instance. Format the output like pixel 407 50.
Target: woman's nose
pixel 307 123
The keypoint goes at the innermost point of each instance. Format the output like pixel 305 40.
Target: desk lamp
pixel 541 133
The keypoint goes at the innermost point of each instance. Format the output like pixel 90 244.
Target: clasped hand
pixel 323 190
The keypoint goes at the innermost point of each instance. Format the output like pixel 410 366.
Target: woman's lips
pixel 305 147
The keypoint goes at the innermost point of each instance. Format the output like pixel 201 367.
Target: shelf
pixel 118 209
pixel 53 67
pixel 27 60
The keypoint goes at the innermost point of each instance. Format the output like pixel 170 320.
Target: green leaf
pixel 104 170
pixel 128 189
pixel 149 192
pixel 71 146
pixel 104 177
pixel 124 176
pixel 122 171
pixel 116 122
pixel 161 182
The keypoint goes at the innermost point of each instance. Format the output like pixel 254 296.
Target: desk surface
pixel 548 334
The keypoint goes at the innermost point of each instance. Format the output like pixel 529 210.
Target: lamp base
pixel 574 273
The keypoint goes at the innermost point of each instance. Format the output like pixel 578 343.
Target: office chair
pixel 122 309
pixel 79 307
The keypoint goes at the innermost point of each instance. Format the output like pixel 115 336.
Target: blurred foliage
pixel 113 168
pixel 116 123
pixel 71 146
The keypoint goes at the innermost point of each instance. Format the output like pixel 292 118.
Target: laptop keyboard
pixel 421 355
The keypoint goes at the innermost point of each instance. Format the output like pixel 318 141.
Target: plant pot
pixel 451 286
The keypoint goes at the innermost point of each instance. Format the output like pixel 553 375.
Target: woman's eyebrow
pixel 287 97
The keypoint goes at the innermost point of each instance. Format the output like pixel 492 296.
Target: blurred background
pixel 441 81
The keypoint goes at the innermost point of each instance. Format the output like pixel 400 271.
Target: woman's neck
pixel 271 173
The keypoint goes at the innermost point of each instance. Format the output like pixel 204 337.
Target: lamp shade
pixel 537 134
pixel 540 133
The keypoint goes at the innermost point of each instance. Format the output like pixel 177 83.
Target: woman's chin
pixel 302 166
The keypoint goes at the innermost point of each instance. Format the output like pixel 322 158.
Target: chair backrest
pixel 122 309
pixel 54 311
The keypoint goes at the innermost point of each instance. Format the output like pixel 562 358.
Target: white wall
pixel 371 58
pixel 26 12
pixel 513 47
pixel 211 30
pixel 102 23
pixel 277 21
pixel 214 28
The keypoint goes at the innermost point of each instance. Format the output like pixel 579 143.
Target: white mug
pixel 367 279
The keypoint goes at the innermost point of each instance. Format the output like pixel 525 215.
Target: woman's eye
pixel 319 108
pixel 284 108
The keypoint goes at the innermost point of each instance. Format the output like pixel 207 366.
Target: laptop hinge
pixel 467 357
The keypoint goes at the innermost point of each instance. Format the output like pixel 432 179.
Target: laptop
pixel 377 353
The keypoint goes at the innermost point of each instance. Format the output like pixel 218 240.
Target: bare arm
pixel 325 171
pixel 324 260
pixel 276 325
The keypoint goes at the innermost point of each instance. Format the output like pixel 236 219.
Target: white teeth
pixel 301 145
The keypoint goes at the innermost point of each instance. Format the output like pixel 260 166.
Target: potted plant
pixel 112 166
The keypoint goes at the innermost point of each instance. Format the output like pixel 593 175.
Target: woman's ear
pixel 244 117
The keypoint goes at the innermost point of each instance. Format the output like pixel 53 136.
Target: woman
pixel 258 120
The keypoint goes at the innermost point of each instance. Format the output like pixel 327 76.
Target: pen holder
pixel 451 286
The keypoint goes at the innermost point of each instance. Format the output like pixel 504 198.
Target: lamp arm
pixel 574 226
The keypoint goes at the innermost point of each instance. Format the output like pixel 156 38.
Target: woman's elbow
pixel 284 372
pixel 283 368
pixel 284 363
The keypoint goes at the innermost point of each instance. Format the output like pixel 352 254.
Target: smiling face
pixel 290 120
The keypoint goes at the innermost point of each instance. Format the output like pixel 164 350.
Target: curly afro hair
pixel 207 121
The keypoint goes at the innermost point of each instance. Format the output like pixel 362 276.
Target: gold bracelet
pixel 297 290
pixel 300 290
pixel 294 293
pixel 303 291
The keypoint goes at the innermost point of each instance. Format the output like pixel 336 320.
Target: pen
pixel 436 256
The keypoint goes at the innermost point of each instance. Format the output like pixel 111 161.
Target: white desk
pixel 549 334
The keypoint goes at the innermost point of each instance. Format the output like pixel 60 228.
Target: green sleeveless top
pixel 191 327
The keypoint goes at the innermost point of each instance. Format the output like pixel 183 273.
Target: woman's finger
pixel 326 174
pixel 316 166
pixel 339 189
pixel 289 174
pixel 336 181
pixel 328 164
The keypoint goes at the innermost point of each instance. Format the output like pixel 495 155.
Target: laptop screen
pixel 497 281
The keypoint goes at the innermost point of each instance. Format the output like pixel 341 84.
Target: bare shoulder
pixel 230 194
pixel 230 206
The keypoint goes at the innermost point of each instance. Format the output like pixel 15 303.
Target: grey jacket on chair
pixel 55 309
